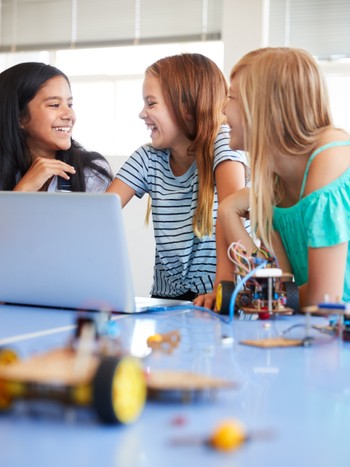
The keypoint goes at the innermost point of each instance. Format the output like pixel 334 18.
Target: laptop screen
pixel 64 250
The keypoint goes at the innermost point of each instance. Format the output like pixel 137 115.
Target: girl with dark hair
pixel 187 170
pixel 37 152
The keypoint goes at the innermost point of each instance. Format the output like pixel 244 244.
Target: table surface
pixel 299 395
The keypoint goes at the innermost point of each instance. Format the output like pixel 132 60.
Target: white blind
pixel 320 26
pixel 38 24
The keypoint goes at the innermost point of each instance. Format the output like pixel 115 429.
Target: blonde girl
pixel 299 199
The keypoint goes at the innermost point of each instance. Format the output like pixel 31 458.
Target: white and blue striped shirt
pixel 183 262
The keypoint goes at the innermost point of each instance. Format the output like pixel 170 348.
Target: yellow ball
pixel 227 436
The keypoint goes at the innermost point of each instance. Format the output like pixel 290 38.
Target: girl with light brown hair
pixel 187 169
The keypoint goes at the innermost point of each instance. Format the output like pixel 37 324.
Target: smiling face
pixel 234 118
pixel 165 132
pixel 48 127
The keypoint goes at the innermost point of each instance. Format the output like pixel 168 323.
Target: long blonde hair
pixel 285 107
pixel 193 86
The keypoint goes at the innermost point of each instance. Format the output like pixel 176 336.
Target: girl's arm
pixel 122 189
pixel 326 275
pixel 280 252
pixel 327 264
pixel 230 214
pixel 229 178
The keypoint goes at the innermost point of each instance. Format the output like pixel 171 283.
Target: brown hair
pixel 194 86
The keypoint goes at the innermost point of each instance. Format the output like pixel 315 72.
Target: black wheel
pixel 292 295
pixel 223 297
pixel 119 390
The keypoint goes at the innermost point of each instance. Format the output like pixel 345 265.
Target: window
pixel 338 80
pixel 55 24
pixel 323 28
pixel 107 91
pixel 320 26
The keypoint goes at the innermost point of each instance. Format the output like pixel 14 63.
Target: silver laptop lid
pixel 64 250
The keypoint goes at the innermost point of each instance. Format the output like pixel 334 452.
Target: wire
pixel 189 306
pixel 208 310
pixel 237 255
pixel 239 286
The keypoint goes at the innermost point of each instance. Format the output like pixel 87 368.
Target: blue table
pixel 300 395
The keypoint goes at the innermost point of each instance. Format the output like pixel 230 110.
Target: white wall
pixel 243 29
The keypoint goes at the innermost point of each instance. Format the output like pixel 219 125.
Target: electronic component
pixel 259 286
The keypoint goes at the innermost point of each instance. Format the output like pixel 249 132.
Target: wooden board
pixel 273 342
pixel 165 380
pixel 59 366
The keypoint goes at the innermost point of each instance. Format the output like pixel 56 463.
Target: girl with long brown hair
pixel 187 170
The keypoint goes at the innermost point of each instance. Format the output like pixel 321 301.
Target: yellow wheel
pixel 119 390
pixel 7 356
pixel 223 297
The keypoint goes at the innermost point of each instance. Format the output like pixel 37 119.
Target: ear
pixel 24 119
pixel 22 123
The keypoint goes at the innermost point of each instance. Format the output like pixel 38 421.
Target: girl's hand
pixel 206 300
pixel 42 170
pixel 239 203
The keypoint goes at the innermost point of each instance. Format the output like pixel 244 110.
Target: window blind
pixel 320 26
pixel 40 24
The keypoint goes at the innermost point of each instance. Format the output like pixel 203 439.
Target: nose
pixel 224 106
pixel 143 113
pixel 68 113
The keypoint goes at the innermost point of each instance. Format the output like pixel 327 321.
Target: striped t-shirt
pixel 183 262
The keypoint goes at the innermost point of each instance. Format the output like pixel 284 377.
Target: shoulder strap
pixel 315 153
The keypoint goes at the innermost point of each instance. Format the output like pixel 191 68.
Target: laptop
pixel 67 250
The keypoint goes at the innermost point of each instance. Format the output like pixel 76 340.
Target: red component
pixel 265 315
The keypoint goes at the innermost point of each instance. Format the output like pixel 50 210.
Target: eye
pixel 150 103
pixel 54 105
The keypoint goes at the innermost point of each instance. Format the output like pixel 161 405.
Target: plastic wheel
pixel 119 390
pixel 292 295
pixel 7 356
pixel 223 297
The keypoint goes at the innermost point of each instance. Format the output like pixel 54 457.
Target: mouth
pixel 63 129
pixel 151 127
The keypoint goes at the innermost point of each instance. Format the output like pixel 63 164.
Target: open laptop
pixel 67 250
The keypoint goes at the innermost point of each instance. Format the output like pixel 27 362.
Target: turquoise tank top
pixel 319 219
